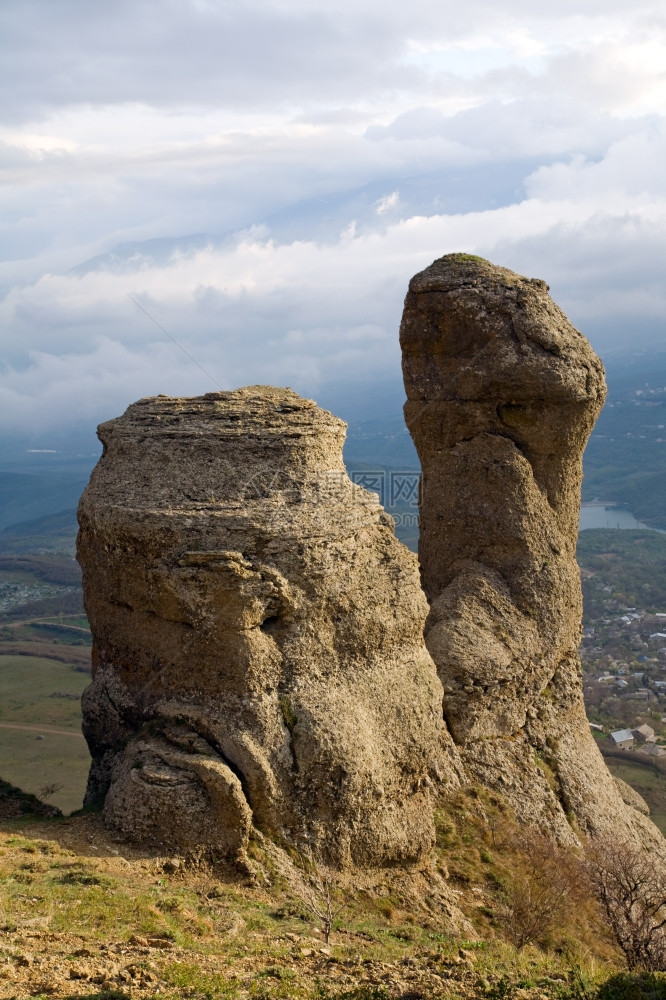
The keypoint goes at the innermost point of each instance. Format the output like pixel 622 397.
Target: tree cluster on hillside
pixel 620 569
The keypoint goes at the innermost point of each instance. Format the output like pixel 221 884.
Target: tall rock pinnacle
pixel 502 395
pixel 258 636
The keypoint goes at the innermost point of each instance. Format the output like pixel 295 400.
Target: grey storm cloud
pixel 242 53
pixel 180 53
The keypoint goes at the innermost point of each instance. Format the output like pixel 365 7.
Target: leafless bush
pixel 318 887
pixel 544 884
pixel 46 791
pixel 322 895
pixel 632 891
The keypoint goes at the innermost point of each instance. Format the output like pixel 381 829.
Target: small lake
pixel 606 515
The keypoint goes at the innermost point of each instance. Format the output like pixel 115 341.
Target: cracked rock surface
pixel 258 637
pixel 502 395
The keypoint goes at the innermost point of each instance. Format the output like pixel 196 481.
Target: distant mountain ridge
pixel 369 207
pixel 28 497
pixel 51 533
pixel 126 256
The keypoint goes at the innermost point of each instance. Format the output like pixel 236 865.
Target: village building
pixel 623 739
pixel 653 750
pixel 644 734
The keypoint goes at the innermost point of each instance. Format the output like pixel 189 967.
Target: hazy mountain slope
pixel 27 497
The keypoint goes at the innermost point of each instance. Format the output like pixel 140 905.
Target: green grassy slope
pixel 44 694
pixel 648 782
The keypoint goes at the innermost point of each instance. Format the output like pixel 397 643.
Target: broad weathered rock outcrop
pixel 502 395
pixel 258 636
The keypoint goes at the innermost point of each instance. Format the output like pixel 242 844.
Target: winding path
pixel 41 729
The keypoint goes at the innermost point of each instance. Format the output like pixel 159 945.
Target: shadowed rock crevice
pixel 258 637
pixel 502 395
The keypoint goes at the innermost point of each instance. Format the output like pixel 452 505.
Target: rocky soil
pixel 86 915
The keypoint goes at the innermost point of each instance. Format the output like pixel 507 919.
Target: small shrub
pixel 633 986
pixel 632 891
pixel 190 977
pixel 319 889
pixel 48 790
pixel 579 986
pixel 541 890
pixel 501 990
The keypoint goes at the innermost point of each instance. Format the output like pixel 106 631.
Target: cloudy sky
pixel 264 176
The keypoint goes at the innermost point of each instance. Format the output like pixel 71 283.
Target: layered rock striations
pixel 258 636
pixel 502 395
